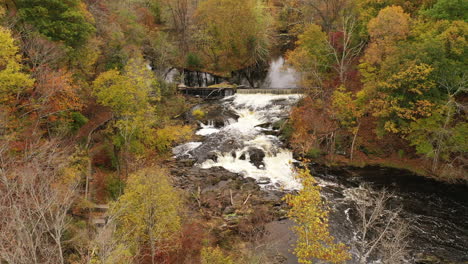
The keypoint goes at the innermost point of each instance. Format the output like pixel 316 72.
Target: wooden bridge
pixel 223 90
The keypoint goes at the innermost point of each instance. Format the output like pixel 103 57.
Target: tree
pixel 326 13
pixel 128 94
pixel 37 190
pixel 396 111
pixel 448 10
pixel 66 21
pixel 211 255
pixel 310 214
pixel 349 112
pixel 440 136
pixel 147 215
pixel 381 231
pixel 12 80
pixel 179 15
pixel 232 34
pixel 389 27
pixel 312 58
pixel 345 46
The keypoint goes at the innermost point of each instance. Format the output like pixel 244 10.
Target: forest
pixel 89 120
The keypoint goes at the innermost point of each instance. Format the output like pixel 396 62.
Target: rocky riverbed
pixel 238 169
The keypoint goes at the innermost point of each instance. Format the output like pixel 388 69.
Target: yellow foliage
pixel 310 214
pixel 391 25
pixel 233 33
pixel 211 255
pixel 148 213
pixel 170 135
pixel 12 80
pixel 198 114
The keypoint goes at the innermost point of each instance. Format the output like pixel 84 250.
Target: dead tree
pixel 381 231
pixel 36 192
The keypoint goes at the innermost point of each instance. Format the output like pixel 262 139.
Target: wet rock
pixel 188 162
pixel 242 156
pixel 212 156
pixel 256 157
pixel 264 125
pixel 264 180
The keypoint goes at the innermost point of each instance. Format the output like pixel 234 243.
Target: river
pixel 247 143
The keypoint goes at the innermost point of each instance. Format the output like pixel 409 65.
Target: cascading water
pixel 249 145
pixel 243 145
pixel 437 213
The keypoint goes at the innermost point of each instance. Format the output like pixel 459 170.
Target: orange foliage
pixel 311 124
pixel 55 93
pixel 391 25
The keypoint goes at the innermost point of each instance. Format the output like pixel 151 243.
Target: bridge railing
pixel 271 91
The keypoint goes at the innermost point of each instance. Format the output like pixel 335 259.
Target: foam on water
pixel 184 149
pixel 254 110
pixel 206 130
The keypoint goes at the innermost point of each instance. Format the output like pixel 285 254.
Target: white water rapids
pixel 273 167
pixel 248 145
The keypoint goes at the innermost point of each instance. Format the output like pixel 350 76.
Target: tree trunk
pixel 354 141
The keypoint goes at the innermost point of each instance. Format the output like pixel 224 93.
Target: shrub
pixel 198 114
pixel 211 255
pixel 169 135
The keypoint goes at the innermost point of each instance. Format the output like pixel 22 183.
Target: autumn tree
pixel 12 80
pixel 147 215
pixel 128 94
pixel 310 214
pixel 390 26
pixel 179 15
pixel 232 34
pixel 312 58
pixel 37 190
pixel 349 110
pixel 210 255
pixel 326 13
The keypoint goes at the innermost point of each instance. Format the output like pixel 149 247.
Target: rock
pixel 242 156
pixel 212 156
pixel 256 157
pixel 264 180
pixel 187 162
pixel 264 125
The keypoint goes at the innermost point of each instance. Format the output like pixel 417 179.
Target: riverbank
pixel 231 177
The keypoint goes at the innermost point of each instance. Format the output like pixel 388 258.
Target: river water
pixel 249 145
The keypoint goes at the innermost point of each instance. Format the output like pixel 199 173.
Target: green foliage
pixel 79 120
pixel 310 214
pixel 433 137
pixel 312 56
pixel 448 10
pixel 59 20
pixel 401 153
pixel 194 61
pixel 148 213
pixel 128 95
pixel 114 186
pixel 314 153
pixel 214 255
